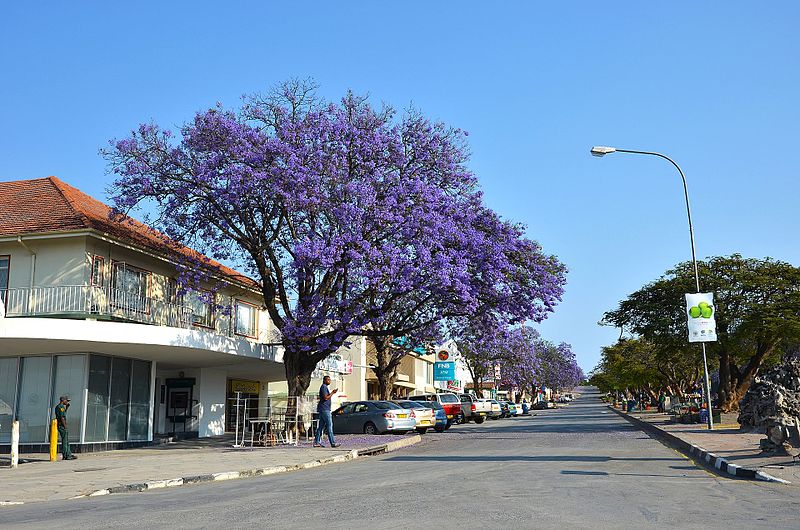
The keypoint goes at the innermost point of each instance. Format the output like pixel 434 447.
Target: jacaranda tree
pixel 352 219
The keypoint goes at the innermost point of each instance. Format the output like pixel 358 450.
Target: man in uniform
pixel 61 421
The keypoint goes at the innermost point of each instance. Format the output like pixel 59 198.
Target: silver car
pixel 372 417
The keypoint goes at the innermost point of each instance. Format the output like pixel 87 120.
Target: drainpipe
pixel 31 300
pixel 33 257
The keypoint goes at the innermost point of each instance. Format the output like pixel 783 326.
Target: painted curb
pixel 706 457
pixel 248 473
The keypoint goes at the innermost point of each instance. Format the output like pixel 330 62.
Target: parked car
pixel 474 409
pixel 495 410
pixel 504 413
pixel 518 407
pixel 540 405
pixel 512 409
pixel 440 414
pixel 421 412
pixel 449 402
pixel 372 417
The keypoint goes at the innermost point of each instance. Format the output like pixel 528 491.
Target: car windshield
pixel 386 405
pixel 449 398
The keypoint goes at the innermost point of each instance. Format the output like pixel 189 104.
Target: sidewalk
pixel 733 447
pixel 186 462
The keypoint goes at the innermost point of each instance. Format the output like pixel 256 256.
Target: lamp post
pixel 600 151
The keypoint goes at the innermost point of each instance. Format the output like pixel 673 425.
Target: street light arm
pixel 688 208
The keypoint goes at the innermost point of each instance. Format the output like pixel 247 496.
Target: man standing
pixel 324 411
pixel 61 421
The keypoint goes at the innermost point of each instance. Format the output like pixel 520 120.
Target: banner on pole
pixel 700 314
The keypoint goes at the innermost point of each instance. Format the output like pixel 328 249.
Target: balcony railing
pixel 87 301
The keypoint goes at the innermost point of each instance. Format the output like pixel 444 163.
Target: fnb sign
pixel 444 371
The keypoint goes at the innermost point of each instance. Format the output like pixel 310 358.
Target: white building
pixel 92 310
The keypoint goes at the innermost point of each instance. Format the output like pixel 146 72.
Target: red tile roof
pixel 50 205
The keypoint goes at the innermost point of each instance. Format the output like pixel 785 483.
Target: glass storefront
pixel 97 402
pixel 9 369
pixel 140 401
pixel 120 397
pixel 33 399
pixel 69 375
pixel 117 389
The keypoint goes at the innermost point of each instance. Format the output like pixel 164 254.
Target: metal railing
pixel 91 300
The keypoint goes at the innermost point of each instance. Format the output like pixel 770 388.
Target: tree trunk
pixel 298 368
pixel 738 388
pixel 386 367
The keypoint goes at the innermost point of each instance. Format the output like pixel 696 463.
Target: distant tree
pixel 757 310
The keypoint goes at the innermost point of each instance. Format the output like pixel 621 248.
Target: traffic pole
pixel 53 440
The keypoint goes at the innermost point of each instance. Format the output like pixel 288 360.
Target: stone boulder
pixel 772 406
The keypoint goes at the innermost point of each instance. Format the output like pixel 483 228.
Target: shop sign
pixel 246 387
pixel 454 385
pixel 444 371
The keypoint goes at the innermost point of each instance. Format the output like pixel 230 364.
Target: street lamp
pixel 600 151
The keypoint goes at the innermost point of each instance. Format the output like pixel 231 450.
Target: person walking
pixel 324 411
pixel 63 432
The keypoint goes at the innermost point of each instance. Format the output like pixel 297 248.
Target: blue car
pixel 440 415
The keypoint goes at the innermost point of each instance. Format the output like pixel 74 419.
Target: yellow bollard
pixel 53 440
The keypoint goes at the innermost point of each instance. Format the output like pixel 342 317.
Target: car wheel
pixel 449 424
pixel 440 428
pixel 479 420
pixel 370 428
pixel 423 430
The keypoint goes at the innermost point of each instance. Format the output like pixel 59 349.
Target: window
pixel 69 376
pixel 98 271
pixel 33 399
pixel 5 263
pixel 97 403
pixel 202 305
pixel 140 401
pixel 130 287
pixel 246 319
pixel 9 367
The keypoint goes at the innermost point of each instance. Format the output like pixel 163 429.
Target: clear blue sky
pixel 714 85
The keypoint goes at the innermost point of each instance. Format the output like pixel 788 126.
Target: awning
pixel 404 384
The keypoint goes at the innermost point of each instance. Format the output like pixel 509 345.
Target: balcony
pixel 94 302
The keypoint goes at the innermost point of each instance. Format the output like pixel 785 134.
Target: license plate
pixel 402 415
pixel 425 422
pixel 450 416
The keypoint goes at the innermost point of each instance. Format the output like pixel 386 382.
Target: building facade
pixel 91 307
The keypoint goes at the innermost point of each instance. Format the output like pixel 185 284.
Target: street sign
pixel 443 355
pixel 444 371
pixel 700 313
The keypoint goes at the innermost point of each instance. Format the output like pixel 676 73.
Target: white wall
pixel 211 396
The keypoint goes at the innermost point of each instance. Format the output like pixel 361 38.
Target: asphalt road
pixel 579 466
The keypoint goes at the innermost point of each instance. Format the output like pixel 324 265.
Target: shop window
pixel 33 400
pixel 202 306
pixel 69 378
pixel 130 287
pixel 97 403
pixel 139 425
pixel 9 368
pixel 119 399
pixel 246 319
